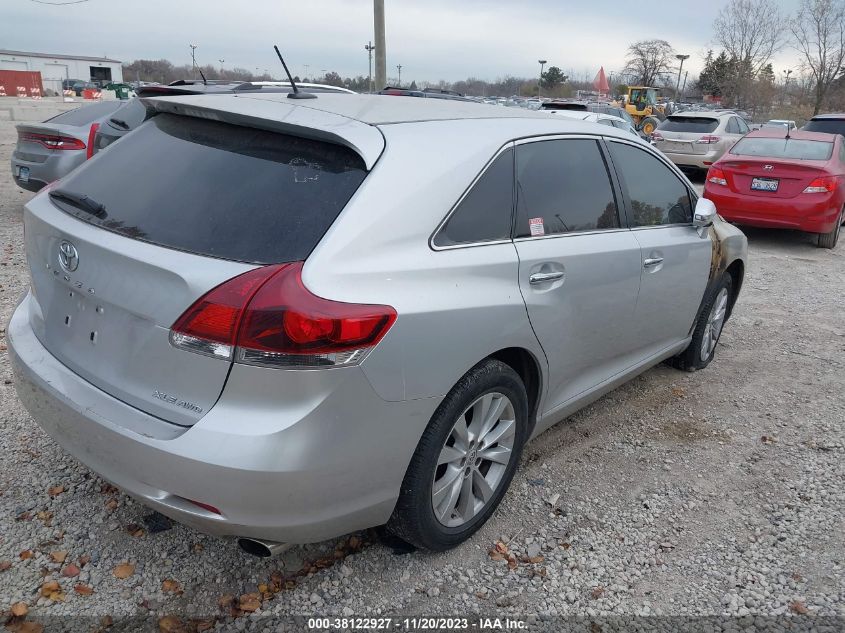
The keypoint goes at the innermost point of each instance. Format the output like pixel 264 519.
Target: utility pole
pixel 307 66
pixel 542 63
pixel 381 47
pixel 193 56
pixel 370 48
pixel 680 68
pixel 399 68
pixel 684 87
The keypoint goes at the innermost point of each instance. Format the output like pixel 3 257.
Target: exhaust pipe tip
pixel 261 548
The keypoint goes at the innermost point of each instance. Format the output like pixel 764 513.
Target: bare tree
pixel 819 32
pixel 648 59
pixel 751 31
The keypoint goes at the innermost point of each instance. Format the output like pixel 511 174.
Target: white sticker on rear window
pixel 536 226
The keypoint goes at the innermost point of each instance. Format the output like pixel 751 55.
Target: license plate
pixel 23 174
pixel 765 184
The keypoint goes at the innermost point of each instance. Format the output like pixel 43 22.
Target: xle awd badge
pixel 68 256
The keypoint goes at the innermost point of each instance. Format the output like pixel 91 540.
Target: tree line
pixel 749 34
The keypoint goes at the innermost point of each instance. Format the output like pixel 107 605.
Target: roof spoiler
pixel 286 118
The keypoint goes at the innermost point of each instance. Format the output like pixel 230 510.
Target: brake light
pixel 92 133
pixel 268 317
pixel 716 176
pixel 51 141
pixel 708 140
pixel 822 185
pixel 657 136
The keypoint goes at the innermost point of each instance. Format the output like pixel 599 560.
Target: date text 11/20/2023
pixel 412 624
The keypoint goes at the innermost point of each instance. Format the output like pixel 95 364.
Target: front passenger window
pixel 657 196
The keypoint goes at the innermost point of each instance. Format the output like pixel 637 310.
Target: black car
pixel 829 123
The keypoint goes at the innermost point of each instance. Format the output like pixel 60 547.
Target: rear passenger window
pixel 733 126
pixel 743 126
pixel 657 195
pixel 563 186
pixel 485 213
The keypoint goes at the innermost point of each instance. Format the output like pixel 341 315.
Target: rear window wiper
pixel 120 123
pixel 80 201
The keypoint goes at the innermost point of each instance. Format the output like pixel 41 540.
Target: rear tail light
pixel 51 141
pixel 708 140
pixel 92 133
pixel 716 176
pixel 657 136
pixel 822 185
pixel 267 317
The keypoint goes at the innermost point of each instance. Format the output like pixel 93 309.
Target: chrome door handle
pixel 652 261
pixel 539 278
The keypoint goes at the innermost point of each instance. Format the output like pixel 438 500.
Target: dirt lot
pixel 719 492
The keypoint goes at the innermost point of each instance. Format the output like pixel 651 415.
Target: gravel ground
pixel 714 493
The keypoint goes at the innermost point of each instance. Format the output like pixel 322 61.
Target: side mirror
pixel 705 213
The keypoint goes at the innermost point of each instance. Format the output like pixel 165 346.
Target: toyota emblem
pixel 68 256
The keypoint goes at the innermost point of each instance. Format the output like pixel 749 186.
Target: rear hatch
pixel 757 164
pixel 680 134
pixel 122 247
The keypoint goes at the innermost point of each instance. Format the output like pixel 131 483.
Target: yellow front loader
pixel 641 104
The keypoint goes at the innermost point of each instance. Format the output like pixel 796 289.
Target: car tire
pixel 708 327
pixel 434 510
pixel 829 240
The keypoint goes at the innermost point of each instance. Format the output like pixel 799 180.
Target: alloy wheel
pixel 473 459
pixel 715 321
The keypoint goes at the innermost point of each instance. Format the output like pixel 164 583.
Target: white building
pixel 56 68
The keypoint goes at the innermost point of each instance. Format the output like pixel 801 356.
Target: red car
pixel 773 181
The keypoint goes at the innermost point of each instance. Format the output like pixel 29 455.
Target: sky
pixel 431 39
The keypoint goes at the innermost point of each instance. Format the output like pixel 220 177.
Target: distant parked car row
pixel 50 150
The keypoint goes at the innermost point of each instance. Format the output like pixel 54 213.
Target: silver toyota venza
pixel 284 320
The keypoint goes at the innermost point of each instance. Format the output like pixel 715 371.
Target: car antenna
pixel 296 94
pixel 204 82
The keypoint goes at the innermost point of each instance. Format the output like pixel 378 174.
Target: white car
pixel 597 117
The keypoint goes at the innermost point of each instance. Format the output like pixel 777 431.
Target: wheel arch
pixel 526 365
pixel 736 270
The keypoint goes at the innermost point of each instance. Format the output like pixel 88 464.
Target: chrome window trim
pixel 531 238
pixel 592 137
pixel 678 173
pixel 442 224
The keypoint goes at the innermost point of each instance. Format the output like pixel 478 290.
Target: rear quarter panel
pixel 455 306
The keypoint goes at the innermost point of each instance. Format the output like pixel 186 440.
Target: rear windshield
pixel 695 124
pixel 830 126
pixel 86 114
pixel 216 189
pixel 783 148
pixel 130 116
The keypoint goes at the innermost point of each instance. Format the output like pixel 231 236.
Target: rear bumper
pixel 817 215
pixel 55 166
pixel 327 464
pixel 695 161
